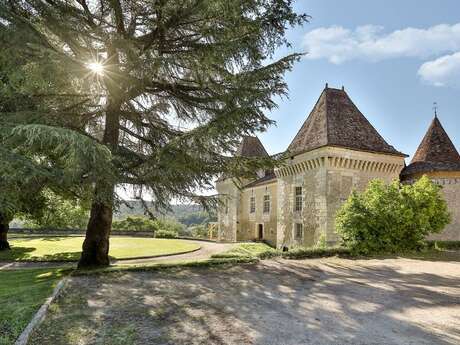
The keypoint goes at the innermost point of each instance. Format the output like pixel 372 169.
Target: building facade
pixel 335 151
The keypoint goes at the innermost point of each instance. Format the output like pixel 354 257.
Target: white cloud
pixel 444 71
pixel 338 44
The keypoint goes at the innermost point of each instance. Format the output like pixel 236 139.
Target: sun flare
pixel 96 67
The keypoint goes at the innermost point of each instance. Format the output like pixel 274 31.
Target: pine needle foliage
pixel 167 87
pixel 187 79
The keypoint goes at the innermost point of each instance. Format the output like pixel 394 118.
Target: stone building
pixel 335 151
pixel 437 158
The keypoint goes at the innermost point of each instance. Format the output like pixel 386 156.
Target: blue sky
pixel 395 58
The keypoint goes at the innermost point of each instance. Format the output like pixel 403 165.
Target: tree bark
pixel 4 227
pixel 96 245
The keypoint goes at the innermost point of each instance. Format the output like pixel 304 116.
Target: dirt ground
pixel 326 301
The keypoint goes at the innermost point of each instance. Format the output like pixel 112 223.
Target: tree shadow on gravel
pixel 282 303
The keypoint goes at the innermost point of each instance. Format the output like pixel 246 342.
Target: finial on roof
pixel 327 85
pixel 343 88
pixel 435 108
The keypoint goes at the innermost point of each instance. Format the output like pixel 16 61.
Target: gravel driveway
pixel 325 301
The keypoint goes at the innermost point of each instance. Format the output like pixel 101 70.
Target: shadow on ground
pixel 274 302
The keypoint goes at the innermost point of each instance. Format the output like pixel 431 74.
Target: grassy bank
pixel 69 248
pixel 21 295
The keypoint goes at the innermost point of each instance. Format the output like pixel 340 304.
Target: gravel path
pixel 276 302
pixel 207 249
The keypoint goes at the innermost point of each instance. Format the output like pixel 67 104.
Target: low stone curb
pixel 159 255
pixel 40 314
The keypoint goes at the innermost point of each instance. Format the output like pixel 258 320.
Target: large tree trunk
pixel 96 245
pixel 4 227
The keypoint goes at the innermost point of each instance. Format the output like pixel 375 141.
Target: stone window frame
pixel 266 204
pixel 298 199
pixel 297 227
pixel 252 204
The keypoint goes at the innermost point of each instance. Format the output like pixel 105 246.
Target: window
pixel 226 206
pixel 266 203
pixel 298 231
pixel 252 204
pixel 298 199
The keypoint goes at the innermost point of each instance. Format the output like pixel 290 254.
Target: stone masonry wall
pixel 227 215
pixel 349 170
pixel 327 175
pixel 312 179
pixel 249 222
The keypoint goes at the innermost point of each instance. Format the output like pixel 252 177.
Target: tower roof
pixel 251 147
pixel 336 121
pixel 436 152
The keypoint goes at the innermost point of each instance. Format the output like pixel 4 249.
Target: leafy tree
pixel 194 218
pixel 168 87
pixel 392 218
pixel 135 223
pixel 200 231
pixel 59 213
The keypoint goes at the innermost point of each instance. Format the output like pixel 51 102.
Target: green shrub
pixel 165 234
pixel 321 243
pixel 135 223
pixel 200 231
pixel 392 218
pixel 315 252
pixel 166 228
pixel 58 213
pixel 171 225
pixel 249 250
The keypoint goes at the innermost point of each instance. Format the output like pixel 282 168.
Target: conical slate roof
pixel 251 147
pixel 436 152
pixel 336 121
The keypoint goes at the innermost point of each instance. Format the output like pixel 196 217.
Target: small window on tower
pixel 252 204
pixel 266 203
pixel 298 199
pixel 226 205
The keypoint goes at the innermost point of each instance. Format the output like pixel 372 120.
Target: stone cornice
pixel 338 162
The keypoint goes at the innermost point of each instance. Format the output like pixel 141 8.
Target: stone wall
pixel 249 222
pixel 327 176
pixel 451 192
pixel 349 170
pixel 228 213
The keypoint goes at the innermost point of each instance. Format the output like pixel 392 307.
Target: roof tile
pixel 336 121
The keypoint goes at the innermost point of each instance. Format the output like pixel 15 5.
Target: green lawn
pixel 69 248
pixel 21 294
pixel 255 250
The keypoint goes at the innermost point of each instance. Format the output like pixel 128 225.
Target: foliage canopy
pixel 392 218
